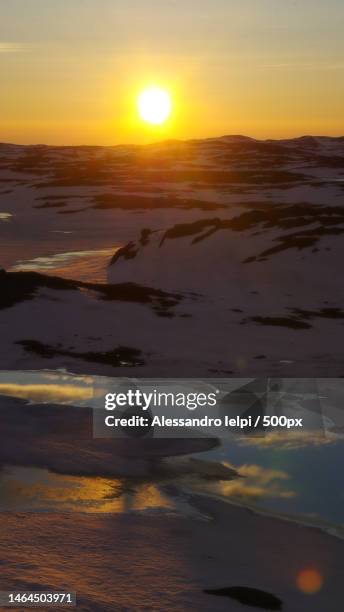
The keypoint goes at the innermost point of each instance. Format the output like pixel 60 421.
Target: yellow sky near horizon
pixel 72 71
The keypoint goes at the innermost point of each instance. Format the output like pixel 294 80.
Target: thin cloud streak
pixel 304 66
pixel 7 47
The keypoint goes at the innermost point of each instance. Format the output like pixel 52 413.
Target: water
pixel 5 216
pixel 298 476
pixel 304 482
pixel 87 266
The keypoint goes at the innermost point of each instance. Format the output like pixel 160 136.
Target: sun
pixel 154 105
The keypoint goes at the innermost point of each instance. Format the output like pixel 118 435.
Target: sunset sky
pixel 71 70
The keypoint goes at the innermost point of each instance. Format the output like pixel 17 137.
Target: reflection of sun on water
pixel 34 488
pixel 42 393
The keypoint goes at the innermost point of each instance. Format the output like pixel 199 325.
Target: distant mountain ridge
pixel 229 138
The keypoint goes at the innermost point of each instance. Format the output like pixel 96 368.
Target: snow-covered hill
pixel 200 258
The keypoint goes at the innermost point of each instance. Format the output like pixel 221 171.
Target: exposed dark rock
pixel 121 356
pixel 249 597
pixel 138 202
pixel 16 287
pixel 289 322
pixel 127 252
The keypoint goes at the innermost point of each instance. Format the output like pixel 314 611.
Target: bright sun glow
pixel 154 105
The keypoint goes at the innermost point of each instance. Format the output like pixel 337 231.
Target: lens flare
pixel 310 581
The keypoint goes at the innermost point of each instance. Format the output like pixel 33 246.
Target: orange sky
pixel 71 70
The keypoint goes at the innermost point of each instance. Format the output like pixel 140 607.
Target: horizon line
pixel 173 140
